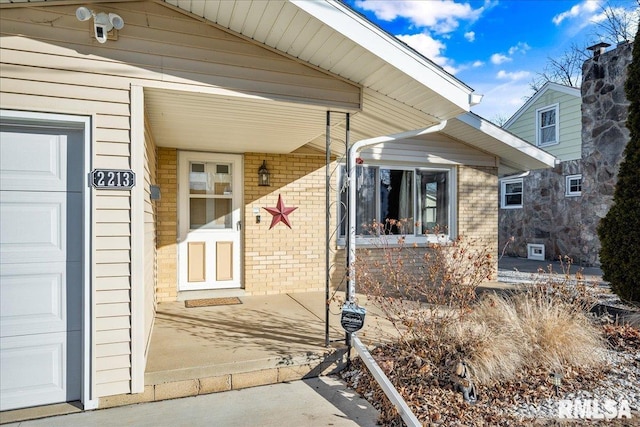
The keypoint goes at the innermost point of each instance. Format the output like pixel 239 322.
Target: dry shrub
pixel 491 339
pixel 421 290
pixel 430 296
pixel 504 334
pixel 557 333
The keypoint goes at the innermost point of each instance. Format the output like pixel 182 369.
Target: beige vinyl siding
pixel 436 149
pixel 162 45
pixel 150 256
pixel 570 143
pixel 50 62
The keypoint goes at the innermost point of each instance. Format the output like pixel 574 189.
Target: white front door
pixel 41 235
pixel 209 218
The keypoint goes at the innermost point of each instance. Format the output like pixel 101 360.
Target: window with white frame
pixel 421 198
pixel 511 191
pixel 573 185
pixel 547 126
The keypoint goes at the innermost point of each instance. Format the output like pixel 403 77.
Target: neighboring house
pixel 194 98
pixel 540 209
pixel 546 214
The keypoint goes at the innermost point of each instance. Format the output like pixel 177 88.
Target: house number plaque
pixel 113 179
pixel 352 319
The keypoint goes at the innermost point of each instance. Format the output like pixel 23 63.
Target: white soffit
pixel 206 122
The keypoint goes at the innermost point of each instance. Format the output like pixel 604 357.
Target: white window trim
pixel 503 185
pixel 411 239
pixel 567 185
pixel 539 111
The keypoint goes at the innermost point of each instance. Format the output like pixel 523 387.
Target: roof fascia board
pixel 388 48
pixel 507 138
pixel 39 3
pixel 546 87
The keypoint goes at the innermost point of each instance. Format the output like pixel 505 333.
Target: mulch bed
pixel 428 388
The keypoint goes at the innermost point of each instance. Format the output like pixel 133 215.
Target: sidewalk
pixel 322 401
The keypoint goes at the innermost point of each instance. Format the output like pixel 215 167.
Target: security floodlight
pixel 83 13
pixel 102 22
pixel 116 20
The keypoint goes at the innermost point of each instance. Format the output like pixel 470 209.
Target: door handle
pixel 239 226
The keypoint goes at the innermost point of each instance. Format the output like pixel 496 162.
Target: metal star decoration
pixel 280 213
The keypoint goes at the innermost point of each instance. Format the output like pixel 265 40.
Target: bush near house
pixel 619 230
pixel 510 342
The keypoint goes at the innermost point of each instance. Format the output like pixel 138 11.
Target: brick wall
pixel 478 205
pixel 167 227
pixel 281 259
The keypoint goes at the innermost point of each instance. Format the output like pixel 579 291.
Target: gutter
pixel 351 168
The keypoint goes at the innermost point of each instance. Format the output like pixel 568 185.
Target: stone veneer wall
pixel 567 225
pixel 547 217
pixel 604 137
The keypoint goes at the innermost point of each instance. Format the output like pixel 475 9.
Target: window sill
pixel 392 241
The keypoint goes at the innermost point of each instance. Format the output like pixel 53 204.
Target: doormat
pixel 208 302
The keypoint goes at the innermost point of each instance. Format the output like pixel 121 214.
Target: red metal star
pixel 280 213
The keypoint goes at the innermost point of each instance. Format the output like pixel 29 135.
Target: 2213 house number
pixel 112 179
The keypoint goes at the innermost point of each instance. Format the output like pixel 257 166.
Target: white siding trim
pixel 138 340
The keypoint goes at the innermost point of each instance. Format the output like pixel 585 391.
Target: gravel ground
pixel 622 383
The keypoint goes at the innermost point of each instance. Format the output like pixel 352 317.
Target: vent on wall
pixel 535 251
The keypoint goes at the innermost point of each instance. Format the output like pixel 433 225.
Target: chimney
pixel 598 49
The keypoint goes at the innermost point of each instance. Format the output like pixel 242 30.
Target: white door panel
pixel 31 161
pixel 35 301
pixel 34 370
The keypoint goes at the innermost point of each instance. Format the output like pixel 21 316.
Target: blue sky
pixel 494 46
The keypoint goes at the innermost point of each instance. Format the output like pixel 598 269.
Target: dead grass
pixel 504 334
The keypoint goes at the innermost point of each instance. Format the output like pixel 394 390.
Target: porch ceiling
pixel 206 122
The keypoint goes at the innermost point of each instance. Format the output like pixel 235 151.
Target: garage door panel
pixel 32 161
pixel 32 369
pixel 42 184
pixel 36 227
pixel 36 302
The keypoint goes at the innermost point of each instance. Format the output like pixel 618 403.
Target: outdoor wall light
pixel 264 179
pixel 102 22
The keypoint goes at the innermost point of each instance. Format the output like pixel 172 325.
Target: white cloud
pixel 513 76
pixel 498 58
pixel 470 36
pixel 477 64
pixel 521 47
pixel 440 16
pixel 582 11
pixel 431 48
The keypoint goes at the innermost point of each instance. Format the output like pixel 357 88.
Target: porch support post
pixel 327 203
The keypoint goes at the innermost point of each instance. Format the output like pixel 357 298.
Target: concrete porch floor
pixel 264 340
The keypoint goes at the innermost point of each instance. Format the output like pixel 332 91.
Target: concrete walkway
pixel 323 401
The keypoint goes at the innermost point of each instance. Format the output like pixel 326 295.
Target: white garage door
pixel 41 235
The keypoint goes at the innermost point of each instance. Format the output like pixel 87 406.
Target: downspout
pixel 351 164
